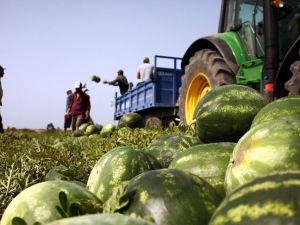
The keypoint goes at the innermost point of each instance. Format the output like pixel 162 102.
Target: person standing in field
pixel 68 116
pixel 120 81
pixel 145 71
pixel 1 95
pixel 80 106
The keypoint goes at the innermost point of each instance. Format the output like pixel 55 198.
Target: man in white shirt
pixel 145 71
pixel 1 94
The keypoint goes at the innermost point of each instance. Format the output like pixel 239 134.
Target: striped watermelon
pixel 208 161
pixel 132 120
pixel 165 148
pixel 268 147
pixel 269 200
pixel 116 166
pixel 287 107
pixel 226 113
pixel 38 203
pixel 102 219
pixel 171 197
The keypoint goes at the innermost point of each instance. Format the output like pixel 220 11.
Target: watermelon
pixel 91 129
pixel 77 133
pixel 153 122
pixel 39 202
pixel 116 166
pixel 268 147
pixel 287 107
pixel 57 173
pixel 101 219
pixel 165 148
pixel 107 130
pixel 95 78
pixel 208 161
pixel 170 197
pixel 269 200
pixel 226 113
pixel 132 120
pixel 83 126
pixel 99 127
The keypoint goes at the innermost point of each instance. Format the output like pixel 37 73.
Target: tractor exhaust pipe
pixel 271 48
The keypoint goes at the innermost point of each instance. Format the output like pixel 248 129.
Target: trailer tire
pixel 206 70
pixel 293 84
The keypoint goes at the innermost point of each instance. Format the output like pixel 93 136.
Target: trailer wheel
pixel 293 84
pixel 206 70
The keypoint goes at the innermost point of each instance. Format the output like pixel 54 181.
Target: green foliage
pixel 76 209
pixel 27 156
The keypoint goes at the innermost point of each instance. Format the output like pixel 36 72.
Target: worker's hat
pixel 77 84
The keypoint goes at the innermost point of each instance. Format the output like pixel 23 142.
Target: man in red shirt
pixel 80 106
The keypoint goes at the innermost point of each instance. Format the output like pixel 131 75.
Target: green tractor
pixel 257 45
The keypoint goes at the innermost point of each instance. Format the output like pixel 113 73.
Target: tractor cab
pixel 257 45
pixel 246 17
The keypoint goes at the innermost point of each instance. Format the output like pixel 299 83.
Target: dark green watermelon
pixel 269 200
pixel 171 197
pixel 116 166
pixel 287 107
pixel 132 120
pixel 268 147
pixel 165 148
pixel 39 202
pixel 226 113
pixel 102 219
pixel 95 78
pixel 208 161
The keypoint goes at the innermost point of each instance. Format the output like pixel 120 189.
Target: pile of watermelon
pixel 241 166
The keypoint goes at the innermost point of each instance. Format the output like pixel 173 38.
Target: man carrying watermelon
pixel 1 94
pixel 80 106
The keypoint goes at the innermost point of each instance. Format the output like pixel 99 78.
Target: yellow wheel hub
pixel 198 87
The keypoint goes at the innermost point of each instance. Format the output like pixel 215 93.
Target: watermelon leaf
pixel 63 199
pixel 76 210
pixel 61 212
pixel 18 221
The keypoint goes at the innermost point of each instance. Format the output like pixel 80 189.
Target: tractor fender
pixel 284 73
pixel 211 42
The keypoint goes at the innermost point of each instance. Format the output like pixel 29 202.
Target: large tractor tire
pixel 293 84
pixel 206 70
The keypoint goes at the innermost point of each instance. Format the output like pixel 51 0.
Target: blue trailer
pixel 154 98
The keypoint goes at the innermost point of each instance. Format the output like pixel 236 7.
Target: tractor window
pixel 249 15
pixel 229 16
pixel 239 18
pixel 289 28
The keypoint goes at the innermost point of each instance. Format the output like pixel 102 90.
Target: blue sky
pixel 47 45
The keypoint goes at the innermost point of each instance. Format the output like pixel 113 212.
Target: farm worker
pixel 68 116
pixel 120 81
pixel 145 71
pixel 1 94
pixel 80 106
